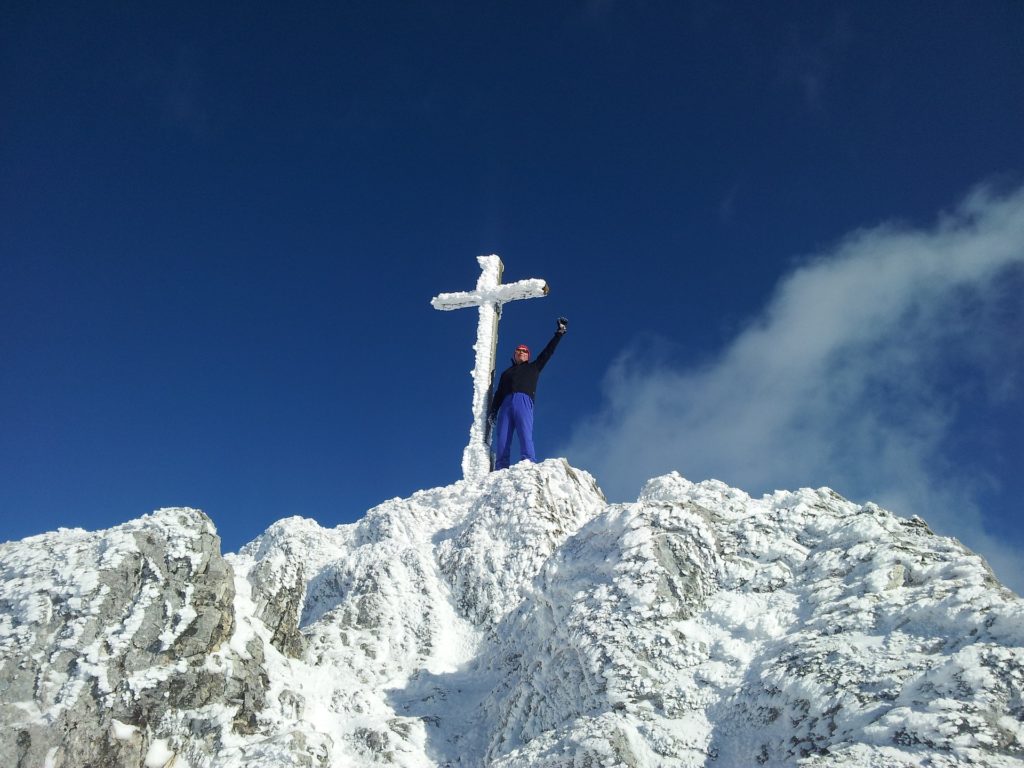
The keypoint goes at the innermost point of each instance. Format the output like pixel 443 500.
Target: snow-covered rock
pixel 121 645
pixel 519 620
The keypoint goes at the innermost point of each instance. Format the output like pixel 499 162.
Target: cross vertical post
pixel 489 296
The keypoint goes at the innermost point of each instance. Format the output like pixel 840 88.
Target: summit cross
pixel 489 296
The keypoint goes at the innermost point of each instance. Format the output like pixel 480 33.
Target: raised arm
pixel 549 350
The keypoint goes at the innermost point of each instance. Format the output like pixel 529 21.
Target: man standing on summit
pixel 512 405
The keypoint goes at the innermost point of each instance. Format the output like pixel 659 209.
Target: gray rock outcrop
pixel 121 645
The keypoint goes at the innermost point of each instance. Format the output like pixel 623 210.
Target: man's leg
pixel 523 421
pixel 503 435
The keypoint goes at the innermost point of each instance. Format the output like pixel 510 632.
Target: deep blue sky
pixel 220 229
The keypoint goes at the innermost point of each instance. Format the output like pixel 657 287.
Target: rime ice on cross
pixel 489 295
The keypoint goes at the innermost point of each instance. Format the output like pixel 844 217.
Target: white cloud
pixel 845 379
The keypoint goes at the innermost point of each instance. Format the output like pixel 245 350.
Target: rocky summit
pixel 516 621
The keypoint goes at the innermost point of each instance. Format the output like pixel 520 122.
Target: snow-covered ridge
pixel 515 621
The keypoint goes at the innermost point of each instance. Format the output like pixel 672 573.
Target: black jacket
pixel 523 377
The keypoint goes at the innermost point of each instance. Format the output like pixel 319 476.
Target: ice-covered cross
pixel 489 295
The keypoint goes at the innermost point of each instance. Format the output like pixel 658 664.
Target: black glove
pixel 563 324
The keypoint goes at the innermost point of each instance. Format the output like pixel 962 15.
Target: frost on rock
pixel 518 620
pixel 106 644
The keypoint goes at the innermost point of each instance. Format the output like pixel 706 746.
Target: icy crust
pixel 843 635
pixel 509 533
pixel 522 621
pixel 702 627
pixel 516 621
pixel 398 603
pixel 596 650
pixel 475 457
pixel 105 639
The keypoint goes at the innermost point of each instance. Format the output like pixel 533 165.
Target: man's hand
pixel 563 325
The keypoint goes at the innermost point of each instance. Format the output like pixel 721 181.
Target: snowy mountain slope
pixel 700 626
pixel 517 621
pixel 413 590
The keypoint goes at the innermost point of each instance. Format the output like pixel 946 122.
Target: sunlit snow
pixel 520 620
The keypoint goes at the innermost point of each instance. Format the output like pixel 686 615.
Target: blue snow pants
pixel 514 415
